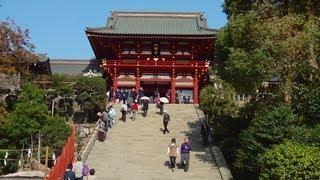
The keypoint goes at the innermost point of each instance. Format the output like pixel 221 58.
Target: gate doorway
pixel 151 87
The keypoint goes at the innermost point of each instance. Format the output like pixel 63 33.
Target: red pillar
pixel 115 84
pixel 137 83
pixel 173 90
pixel 195 91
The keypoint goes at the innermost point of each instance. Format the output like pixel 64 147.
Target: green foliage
pixel 54 133
pixel 290 161
pixel 307 103
pixel 269 128
pixel 28 120
pixel 307 135
pixel 216 99
pixel 90 94
pixel 259 43
pixel 266 40
pixel 62 93
pixel 12 165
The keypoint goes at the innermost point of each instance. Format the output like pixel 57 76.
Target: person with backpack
pixel 185 154
pixel 124 110
pixel 69 174
pixel 166 119
pixel 173 152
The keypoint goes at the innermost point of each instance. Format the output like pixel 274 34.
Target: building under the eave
pixel 155 50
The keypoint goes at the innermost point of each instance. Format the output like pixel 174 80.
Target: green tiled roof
pixel 154 23
pixel 73 67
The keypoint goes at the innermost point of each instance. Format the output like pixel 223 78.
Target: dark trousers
pixel 185 157
pixel 165 129
pixel 173 161
pixel 124 115
pixel 205 140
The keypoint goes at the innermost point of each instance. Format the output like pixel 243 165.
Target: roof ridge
pixel 155 14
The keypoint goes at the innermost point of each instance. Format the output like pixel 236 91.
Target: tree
pixel 269 128
pixel 30 119
pixel 290 161
pixel 16 51
pixel 90 95
pixel 261 46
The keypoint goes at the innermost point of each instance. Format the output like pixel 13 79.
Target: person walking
pixel 173 153
pixel 92 176
pixel 105 118
pixel 77 169
pixel 129 102
pixel 69 174
pixel 112 115
pixel 185 154
pixel 124 110
pixel 205 133
pixel 145 107
pixel 102 128
pixel 134 108
pixel 166 119
pixel 161 104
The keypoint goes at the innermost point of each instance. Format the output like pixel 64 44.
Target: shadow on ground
pixel 201 153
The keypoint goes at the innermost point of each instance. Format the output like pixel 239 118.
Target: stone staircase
pixel 137 149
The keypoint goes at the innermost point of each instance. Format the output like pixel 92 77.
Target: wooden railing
pixel 66 157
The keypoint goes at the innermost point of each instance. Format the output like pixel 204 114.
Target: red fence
pixel 66 157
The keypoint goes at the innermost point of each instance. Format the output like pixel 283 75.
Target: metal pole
pixel 39 146
pixel 52 109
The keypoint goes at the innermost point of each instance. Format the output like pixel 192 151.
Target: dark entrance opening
pixel 151 87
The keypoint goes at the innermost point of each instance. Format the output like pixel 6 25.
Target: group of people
pixel 184 152
pixel 122 95
pixel 79 171
pixel 107 119
pixel 130 105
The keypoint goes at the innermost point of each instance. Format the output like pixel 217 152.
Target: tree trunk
pixel 288 86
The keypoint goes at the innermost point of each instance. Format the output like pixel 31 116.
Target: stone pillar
pixel 173 90
pixel 195 91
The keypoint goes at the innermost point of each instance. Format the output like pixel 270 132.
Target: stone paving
pixel 137 149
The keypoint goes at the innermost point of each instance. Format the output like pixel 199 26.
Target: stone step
pixel 137 149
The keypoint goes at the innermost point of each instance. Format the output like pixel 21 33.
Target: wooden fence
pixel 66 157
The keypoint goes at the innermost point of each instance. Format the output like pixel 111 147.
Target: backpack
pixel 85 170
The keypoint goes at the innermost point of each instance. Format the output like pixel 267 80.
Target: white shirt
pixel 124 107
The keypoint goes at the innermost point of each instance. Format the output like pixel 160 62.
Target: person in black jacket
pixel 166 119
pixel 205 133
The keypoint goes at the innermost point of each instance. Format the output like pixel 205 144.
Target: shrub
pixel 290 161
pixel 269 128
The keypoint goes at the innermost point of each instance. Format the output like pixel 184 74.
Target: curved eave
pixel 174 36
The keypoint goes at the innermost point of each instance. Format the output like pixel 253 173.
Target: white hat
pixel 99 114
pixel 165 111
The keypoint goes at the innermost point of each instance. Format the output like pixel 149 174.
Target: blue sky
pixel 57 26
